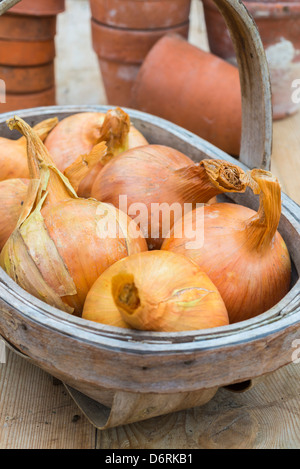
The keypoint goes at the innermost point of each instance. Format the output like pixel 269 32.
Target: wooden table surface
pixel 37 412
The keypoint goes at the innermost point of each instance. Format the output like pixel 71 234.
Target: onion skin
pixel 242 253
pixel 88 255
pixel 12 196
pixel 13 157
pixel 73 136
pixel 59 246
pixel 157 174
pixel 13 192
pixel 155 291
pixel 84 165
pixel 76 135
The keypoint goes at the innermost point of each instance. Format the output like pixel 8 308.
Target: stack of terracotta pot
pixel 27 54
pixel 124 31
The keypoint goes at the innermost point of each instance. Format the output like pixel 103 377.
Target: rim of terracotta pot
pixel 264 9
pixel 133 14
pixel 282 8
pixel 39 8
pixel 136 42
pixel 27 27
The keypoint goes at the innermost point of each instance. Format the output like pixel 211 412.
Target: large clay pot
pixel 28 79
pixel 121 53
pixel 27 28
pixel 279 27
pixel 39 8
pixel 192 88
pixel 25 53
pixel 28 100
pixel 141 14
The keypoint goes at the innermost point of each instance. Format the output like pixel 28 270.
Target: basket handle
pixel 256 139
pixel 6 5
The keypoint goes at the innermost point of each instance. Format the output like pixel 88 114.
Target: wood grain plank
pixel 37 414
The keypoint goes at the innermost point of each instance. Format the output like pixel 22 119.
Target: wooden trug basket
pixel 119 376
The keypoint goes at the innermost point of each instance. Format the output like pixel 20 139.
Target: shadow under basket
pixel 119 376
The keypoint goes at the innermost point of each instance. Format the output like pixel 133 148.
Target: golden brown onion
pixel 77 134
pixel 13 154
pixel 242 251
pixel 154 177
pixel 12 196
pixel 155 291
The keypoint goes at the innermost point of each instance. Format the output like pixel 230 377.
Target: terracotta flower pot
pixel 141 14
pixel 121 53
pixel 16 102
pixel 279 27
pixel 28 79
pixel 39 8
pixel 193 89
pixel 27 28
pixel 118 79
pixel 127 45
pixel 25 53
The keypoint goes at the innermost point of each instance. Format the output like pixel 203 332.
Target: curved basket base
pixel 111 408
pixel 135 407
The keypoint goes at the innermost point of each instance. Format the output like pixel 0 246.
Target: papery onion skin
pixel 249 282
pixel 12 196
pixel 156 176
pixel 76 135
pixel 89 254
pixel 172 294
pixel 13 192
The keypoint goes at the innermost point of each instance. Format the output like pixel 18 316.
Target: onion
pixel 13 154
pixel 12 196
pixel 77 134
pixel 155 291
pixel 13 191
pixel 60 245
pixel 154 177
pixel 242 251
